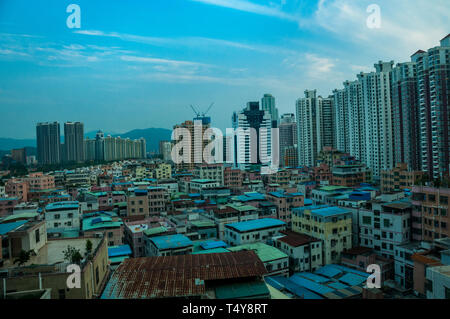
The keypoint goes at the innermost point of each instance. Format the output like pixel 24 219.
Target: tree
pixel 72 255
pixel 24 257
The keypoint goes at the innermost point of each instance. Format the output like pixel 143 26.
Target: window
pixel 97 277
pixel 367 220
pixel 62 294
pixel 36 234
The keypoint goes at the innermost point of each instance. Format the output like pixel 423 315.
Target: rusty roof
pixel 296 239
pixel 179 276
pixel 426 258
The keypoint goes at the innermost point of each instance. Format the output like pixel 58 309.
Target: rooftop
pixel 179 276
pixel 62 205
pixel 329 211
pixel 256 224
pixel 115 251
pixel 171 241
pixel 265 252
pixel 8 227
pixel 295 239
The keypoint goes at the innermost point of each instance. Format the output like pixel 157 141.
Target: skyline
pixel 154 59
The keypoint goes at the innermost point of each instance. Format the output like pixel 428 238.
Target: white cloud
pixel 405 26
pixel 248 6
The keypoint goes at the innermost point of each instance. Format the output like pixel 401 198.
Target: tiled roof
pixel 296 239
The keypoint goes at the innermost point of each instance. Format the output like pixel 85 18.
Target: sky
pixel 139 64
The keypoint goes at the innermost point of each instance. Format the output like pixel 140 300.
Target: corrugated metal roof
pixel 171 241
pixel 122 250
pixel 8 227
pixel 177 276
pixel 213 244
pixel 256 224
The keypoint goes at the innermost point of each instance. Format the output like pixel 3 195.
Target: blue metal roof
pixel 284 283
pixel 8 198
pixel 313 277
pixel 8 227
pixel 351 270
pixel 171 241
pixel 213 244
pixel 256 224
pixel 352 279
pixel 123 250
pixel 308 284
pixel 329 211
pixel 328 271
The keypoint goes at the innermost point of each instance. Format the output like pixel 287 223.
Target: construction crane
pixel 202 116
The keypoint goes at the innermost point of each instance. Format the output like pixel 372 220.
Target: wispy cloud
pixel 248 6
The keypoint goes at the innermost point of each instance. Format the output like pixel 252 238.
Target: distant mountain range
pixel 151 135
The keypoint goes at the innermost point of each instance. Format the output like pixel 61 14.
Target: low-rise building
pixel 285 203
pixel 431 213
pixel 168 245
pixel 197 185
pixel 438 282
pixel 332 225
pixel 384 225
pixel 7 205
pixel 305 252
pixel 350 175
pixel 104 222
pixel 63 218
pixel 399 178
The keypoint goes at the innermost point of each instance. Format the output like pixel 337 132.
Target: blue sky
pixel 139 64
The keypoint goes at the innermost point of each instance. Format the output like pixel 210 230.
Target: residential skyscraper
pixel 48 143
pixel 356 123
pixel 307 128
pixel 433 76
pixel 376 96
pixel 315 126
pixel 325 123
pixel 288 138
pixel 74 142
pixel 341 113
pixel 165 149
pixel 405 115
pixel 99 146
pixel 268 105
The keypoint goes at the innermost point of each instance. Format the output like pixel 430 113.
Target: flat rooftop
pixel 256 224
